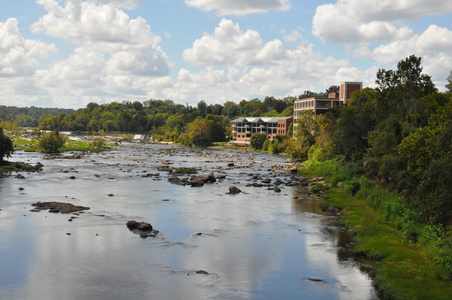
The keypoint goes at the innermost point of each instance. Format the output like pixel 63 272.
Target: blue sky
pixel 67 53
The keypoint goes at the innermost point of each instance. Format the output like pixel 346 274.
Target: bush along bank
pixel 414 259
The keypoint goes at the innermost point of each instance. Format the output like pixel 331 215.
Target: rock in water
pixel 234 190
pixel 143 226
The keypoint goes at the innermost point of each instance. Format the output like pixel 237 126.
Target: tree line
pixel 28 116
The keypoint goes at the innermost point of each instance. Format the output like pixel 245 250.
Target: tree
pixel 257 140
pixel 200 132
pixel 332 89
pixel 306 132
pixel 428 152
pixel 398 94
pixel 449 82
pixel 6 146
pixel 218 127
pixel 51 142
pixel 202 108
pixel 400 87
pixel 355 122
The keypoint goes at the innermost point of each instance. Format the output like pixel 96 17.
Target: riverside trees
pixel 6 146
pixel 399 134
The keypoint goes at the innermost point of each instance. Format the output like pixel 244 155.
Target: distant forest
pixel 140 117
pixel 29 116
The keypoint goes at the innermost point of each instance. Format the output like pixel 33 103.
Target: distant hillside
pixel 29 116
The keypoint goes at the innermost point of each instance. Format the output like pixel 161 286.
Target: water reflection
pixel 260 244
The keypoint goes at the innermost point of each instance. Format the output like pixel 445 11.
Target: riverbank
pixel 412 260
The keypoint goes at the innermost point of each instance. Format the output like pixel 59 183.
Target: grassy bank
pixel 32 145
pixel 414 259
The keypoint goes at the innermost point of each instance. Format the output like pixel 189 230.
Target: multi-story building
pixel 322 104
pixel 244 128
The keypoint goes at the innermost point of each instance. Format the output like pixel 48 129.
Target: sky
pixel 68 53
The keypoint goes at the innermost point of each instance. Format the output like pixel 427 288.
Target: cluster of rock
pixel 19 166
pixel 195 181
pixel 143 229
pixel 58 207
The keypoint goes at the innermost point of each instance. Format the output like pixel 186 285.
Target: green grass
pixel 414 260
pixel 186 171
pixel 81 146
pixel 32 145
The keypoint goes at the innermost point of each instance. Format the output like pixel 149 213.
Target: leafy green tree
pixel 257 140
pixel 401 87
pixel 398 92
pixel 324 147
pixel 218 126
pixel 355 122
pixel 449 82
pixel 6 146
pixel 202 108
pixel 428 152
pixel 231 109
pixel 296 149
pixel 332 89
pixel 51 142
pixel 307 127
pixel 200 132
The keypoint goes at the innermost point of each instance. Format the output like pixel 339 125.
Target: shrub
pixel 6 145
pixel 51 142
pixel 257 140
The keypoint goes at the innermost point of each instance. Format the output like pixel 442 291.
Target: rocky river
pixel 224 224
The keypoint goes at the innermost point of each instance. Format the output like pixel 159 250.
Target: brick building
pixel 243 128
pixel 322 104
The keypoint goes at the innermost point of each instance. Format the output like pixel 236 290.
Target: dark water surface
pixel 255 245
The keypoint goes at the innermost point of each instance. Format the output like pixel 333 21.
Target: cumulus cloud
pixel 114 55
pixel 239 7
pixel 294 36
pixel 128 4
pixel 254 69
pixel 230 45
pixel 434 40
pixel 20 56
pixel 367 21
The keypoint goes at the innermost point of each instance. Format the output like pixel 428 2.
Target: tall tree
pixel 449 82
pixel 6 146
pixel 200 132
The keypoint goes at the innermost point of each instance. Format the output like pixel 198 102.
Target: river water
pixel 259 244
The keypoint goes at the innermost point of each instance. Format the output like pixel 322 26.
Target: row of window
pixel 304 104
pixel 247 125
pixel 254 130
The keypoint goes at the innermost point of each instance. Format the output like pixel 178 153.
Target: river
pixel 259 244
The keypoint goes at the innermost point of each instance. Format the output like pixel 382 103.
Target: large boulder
pixel 142 226
pixel 176 180
pixel 58 207
pixel 142 229
pixel 201 179
pixel 234 190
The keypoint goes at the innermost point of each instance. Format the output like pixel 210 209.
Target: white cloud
pixel 268 70
pixel 433 46
pixel 294 36
pixel 128 4
pixel 434 40
pixel 115 56
pixel 336 24
pixel 20 56
pixel 239 7
pixel 228 45
pixel 367 21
